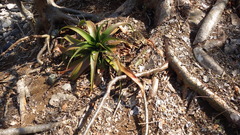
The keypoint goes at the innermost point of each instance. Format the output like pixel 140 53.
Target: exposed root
pixel 27 14
pixel 46 44
pixel 162 11
pixel 22 40
pixel 112 82
pixel 125 9
pixel 31 129
pixel 210 21
pixel 206 61
pixel 195 84
pixel 201 55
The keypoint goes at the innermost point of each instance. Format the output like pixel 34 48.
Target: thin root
pixel 28 38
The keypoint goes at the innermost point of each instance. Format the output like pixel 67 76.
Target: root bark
pixel 195 84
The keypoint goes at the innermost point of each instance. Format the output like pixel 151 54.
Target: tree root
pixel 22 40
pixel 206 61
pixel 210 21
pixel 112 82
pixel 46 44
pixel 195 84
pixel 162 11
pixel 125 8
pixel 31 129
pixel 27 14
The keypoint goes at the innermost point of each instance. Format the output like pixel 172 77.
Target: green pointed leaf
pixel 105 47
pixel 91 29
pixel 72 40
pixel 81 32
pixel 78 50
pixel 99 28
pixel 112 63
pixel 110 29
pixel 77 46
pixel 93 64
pixel 80 68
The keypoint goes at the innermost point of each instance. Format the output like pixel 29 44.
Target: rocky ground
pixel 123 112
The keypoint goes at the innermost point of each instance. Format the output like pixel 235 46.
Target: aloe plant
pixel 97 46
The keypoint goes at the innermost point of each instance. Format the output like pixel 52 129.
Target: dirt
pixel 169 111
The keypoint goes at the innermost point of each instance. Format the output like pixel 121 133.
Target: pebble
pixel 205 79
pixel 4 12
pixel 134 111
pixel 67 87
pixel 25 26
pixel 52 79
pixel 11 6
pixel 7 23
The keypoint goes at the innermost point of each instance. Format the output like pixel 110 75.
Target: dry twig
pixel 112 82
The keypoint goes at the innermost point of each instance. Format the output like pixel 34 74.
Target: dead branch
pixel 112 82
pixel 195 84
pixel 210 21
pixel 146 110
pixel 31 129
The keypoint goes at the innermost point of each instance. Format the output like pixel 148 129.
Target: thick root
pixel 195 84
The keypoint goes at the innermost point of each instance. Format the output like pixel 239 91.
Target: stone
pixel 7 23
pixel 205 79
pixel 134 111
pixel 52 79
pixel 11 6
pixel 67 87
